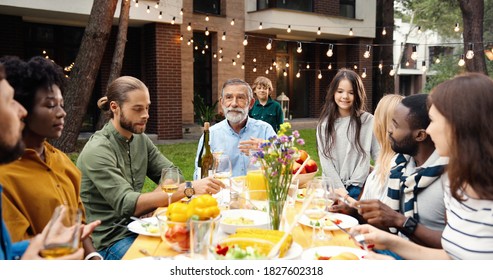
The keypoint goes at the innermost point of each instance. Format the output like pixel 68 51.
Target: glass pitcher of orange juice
pixel 255 178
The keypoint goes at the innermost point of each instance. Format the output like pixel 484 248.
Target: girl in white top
pixel 460 116
pixel 345 139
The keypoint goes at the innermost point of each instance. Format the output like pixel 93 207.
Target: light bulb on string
pixel 298 74
pixel 243 65
pixel 207 31
pixel 245 40
pixel 380 66
pixel 196 48
pixel 189 27
pixel 423 66
pixel 462 62
pixel 363 75
pixel 206 46
pixel 384 31
pixel 284 73
pixel 319 31
pixel 367 52
pixel 274 63
pixel 148 10
pixel 234 62
pixel 414 54
pixel 287 64
pixel 188 43
pixel 392 70
pixel 136 3
pixel 221 50
pixel 355 67
pixel 214 55
pixel 221 58
pixel 232 22
pixel 224 36
pixel 299 49
pixel 206 17
pixel 351 31
pixel 181 37
pixel 307 65
pixel 254 59
pixel 161 15
pixel 330 66
pixel 157 5
pixel 319 75
pixel 260 25
pixel 269 45
pixel 270 67
pixel 266 71
pixel 330 51
pixel 419 29
pixel 456 28
pixel 181 11
pixel 238 55
pixel 289 29
pixel 437 60
pixel 173 20
pixel 254 68
pixel 203 51
pixel 470 52
pixel 191 39
pixel 407 63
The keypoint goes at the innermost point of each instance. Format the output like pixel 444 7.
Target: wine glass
pixel 170 179
pixel 62 232
pixel 317 209
pixel 223 171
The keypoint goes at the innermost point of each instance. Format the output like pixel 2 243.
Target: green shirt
pixel 270 113
pixel 113 173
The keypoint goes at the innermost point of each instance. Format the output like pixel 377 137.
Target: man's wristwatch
pixel 189 191
pixel 409 226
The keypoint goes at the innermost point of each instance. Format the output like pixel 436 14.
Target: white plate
pixel 346 221
pixel 137 227
pixel 330 251
pixel 294 252
pixel 260 219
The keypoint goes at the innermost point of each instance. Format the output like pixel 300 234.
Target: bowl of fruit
pixel 175 222
pixel 307 172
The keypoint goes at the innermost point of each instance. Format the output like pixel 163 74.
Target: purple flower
pixel 300 141
pixel 296 133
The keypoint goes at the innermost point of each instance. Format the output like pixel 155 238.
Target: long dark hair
pixel 466 102
pixel 330 112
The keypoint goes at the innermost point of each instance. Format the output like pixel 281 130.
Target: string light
pixel 355 67
pixel 363 75
pixel 137 4
pixel 384 31
pixel 203 51
pixel 307 65
pixel 462 62
pixel 266 71
pixel 456 28
pixel 148 9
pixel 351 31
pixel 470 52
pixel 255 68
pixel 206 46
pixel 289 29
pixel 407 63
pixel 414 54
pixel 269 45
pixel 214 55
pixel 392 70
pixel 274 63
pixel 437 60
pixel 270 67
pixel 380 66
pixel 419 29
pixel 298 74
pixel 233 22
pixel 245 40
pixel 181 12
pixel 181 37
pixel 188 43
pixel 221 50
pixel 161 16
pixel 234 62
pixel 319 31
pixel 206 17
pixel 299 49
pixel 330 66
pixel 196 48
pixel 367 52
pixel 157 5
pixel 172 21
pixel 254 59
pixel 238 55
pixel 221 58
pixel 224 36
pixel 206 31
pixel 423 66
pixel 243 65
pixel 284 73
pixel 260 25
pixel 319 75
pixel 189 27
pixel 330 51
pixel 191 39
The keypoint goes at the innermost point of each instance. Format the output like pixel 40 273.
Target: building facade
pixel 186 49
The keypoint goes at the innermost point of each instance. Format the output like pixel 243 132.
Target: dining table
pixel 302 234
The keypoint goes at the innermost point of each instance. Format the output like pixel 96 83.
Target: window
pixel 347 8
pixel 297 5
pixel 212 7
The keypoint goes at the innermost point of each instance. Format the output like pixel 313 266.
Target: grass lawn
pixel 183 155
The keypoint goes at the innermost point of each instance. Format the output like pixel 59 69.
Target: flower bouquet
pixel 277 156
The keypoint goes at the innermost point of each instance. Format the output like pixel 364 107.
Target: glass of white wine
pixel 170 180
pixel 62 232
pixel 223 171
pixel 317 209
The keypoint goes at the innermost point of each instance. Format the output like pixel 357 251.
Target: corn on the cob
pixel 265 234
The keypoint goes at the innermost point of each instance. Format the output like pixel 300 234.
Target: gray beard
pixel 235 117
